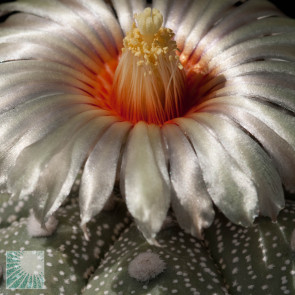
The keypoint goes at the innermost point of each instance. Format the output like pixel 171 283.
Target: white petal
pixel 63 15
pixel 174 13
pixel 273 128
pixel 241 15
pixel 31 23
pixel 147 193
pixel 100 170
pixel 251 159
pixel 125 10
pixel 105 18
pixel 58 44
pixel 25 174
pixel 22 73
pixel 156 141
pixel 57 183
pixel 191 202
pixel 99 18
pixel 257 67
pixel 137 5
pixel 231 190
pixel 30 122
pixel 272 77
pixel 207 19
pixel 274 48
pixel 238 39
pixel 193 14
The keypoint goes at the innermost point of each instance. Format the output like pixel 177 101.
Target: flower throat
pixel 149 81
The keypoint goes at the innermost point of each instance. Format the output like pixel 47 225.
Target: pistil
pixel 149 81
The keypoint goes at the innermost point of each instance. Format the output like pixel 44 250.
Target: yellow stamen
pixel 149 81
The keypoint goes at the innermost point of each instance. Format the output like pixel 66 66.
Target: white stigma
pixel 149 22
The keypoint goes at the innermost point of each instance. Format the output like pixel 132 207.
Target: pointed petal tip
pixel 154 242
pixel 274 216
pixel 195 231
pixel 248 223
pixel 148 234
pixel 85 230
pixel 198 233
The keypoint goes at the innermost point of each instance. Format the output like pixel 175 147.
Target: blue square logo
pixel 25 270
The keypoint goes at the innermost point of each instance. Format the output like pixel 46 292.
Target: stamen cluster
pixel 149 53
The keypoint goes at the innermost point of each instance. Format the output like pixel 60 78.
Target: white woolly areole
pixel 146 266
pixel 35 229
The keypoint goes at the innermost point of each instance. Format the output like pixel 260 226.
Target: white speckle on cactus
pixel 146 266
pixel 35 229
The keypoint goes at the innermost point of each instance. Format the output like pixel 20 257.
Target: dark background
pixel 285 6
